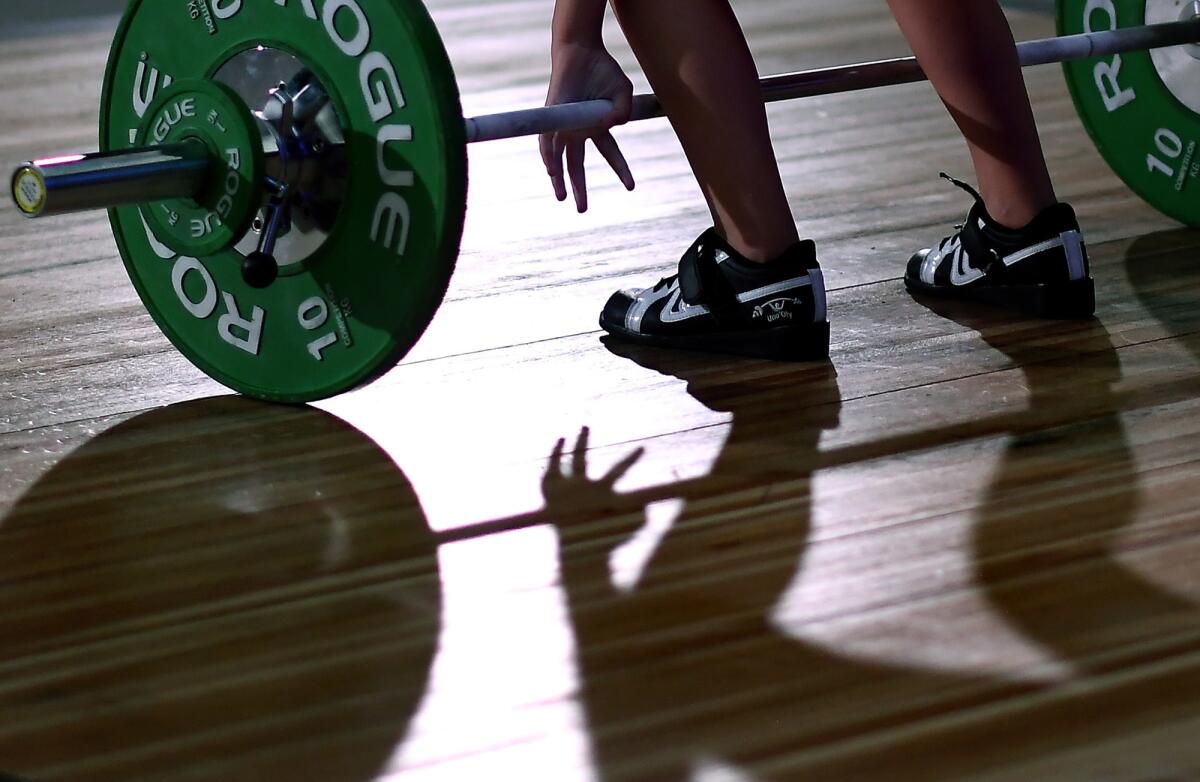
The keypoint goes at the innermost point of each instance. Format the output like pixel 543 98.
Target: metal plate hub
pixel 1177 66
pixel 304 142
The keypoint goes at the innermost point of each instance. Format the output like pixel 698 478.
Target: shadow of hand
pixel 572 498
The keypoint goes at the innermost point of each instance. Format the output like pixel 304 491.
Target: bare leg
pixel 966 48
pixel 696 58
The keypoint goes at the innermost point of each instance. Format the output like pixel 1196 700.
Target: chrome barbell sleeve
pixel 73 183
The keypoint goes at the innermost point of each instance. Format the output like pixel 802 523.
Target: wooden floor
pixel 965 550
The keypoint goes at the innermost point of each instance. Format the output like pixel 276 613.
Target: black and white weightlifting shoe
pixel 722 303
pixel 1041 269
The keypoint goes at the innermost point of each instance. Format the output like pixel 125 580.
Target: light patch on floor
pixel 478 454
pixel 503 682
pixel 714 770
pixel 629 560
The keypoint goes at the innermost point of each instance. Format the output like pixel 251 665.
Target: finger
pixel 620 468
pixel 545 147
pixel 575 153
pixel 622 107
pixel 607 146
pixel 579 457
pixel 556 457
pixel 554 165
pixel 552 157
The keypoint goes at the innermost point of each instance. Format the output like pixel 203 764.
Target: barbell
pixel 286 182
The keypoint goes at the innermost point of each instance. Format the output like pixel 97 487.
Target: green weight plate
pixel 1142 109
pixel 348 310
pixel 223 210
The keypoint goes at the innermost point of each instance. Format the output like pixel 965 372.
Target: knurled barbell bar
pixel 298 249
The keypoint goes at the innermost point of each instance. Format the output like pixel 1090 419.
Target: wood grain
pixel 964 550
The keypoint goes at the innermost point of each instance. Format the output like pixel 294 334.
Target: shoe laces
pixel 958 227
pixel 963 186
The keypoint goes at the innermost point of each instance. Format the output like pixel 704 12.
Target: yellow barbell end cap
pixel 29 190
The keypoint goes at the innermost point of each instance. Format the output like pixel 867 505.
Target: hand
pixel 583 72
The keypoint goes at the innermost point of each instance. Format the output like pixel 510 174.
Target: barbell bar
pixel 837 79
pixel 335 152
pixel 104 180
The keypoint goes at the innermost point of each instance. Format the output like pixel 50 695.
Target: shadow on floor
pixel 219 589
pixel 237 591
pixel 688 672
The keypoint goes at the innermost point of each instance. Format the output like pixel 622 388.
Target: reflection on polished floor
pixel 965 549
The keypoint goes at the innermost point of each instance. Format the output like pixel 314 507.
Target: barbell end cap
pixel 29 190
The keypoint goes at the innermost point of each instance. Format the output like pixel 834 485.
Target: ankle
pixel 761 246
pixel 1016 217
pixel 760 255
pixel 1015 211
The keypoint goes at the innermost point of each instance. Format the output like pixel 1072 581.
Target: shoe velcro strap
pixel 981 255
pixel 701 281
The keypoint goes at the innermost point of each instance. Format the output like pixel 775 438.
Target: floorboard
pixel 962 550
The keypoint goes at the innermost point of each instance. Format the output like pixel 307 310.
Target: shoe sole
pixel 1075 299
pixel 792 343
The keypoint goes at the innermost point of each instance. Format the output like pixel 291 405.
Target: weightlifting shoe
pixel 1041 269
pixel 722 303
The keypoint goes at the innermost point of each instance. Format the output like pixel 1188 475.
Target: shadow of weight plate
pixel 1142 108
pixel 263 605
pixel 363 271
